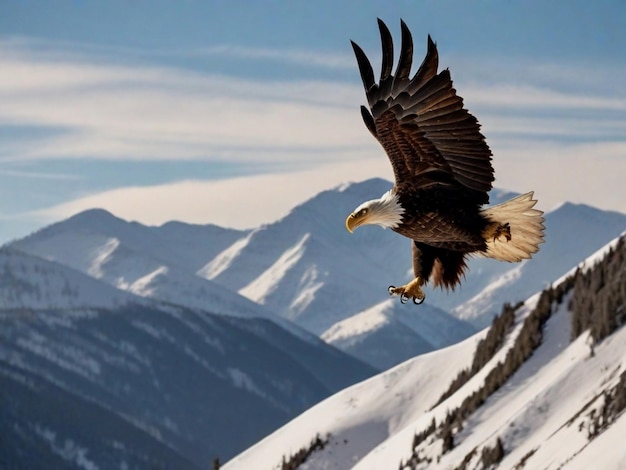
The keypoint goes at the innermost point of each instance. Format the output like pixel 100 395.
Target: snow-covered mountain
pixel 30 282
pixel 308 269
pixel 536 395
pixel 95 377
pixel 387 333
pixel 163 263
pixel 152 262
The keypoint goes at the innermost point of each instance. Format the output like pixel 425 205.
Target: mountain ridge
pixel 306 268
pixel 172 378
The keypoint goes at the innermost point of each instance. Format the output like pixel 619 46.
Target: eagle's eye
pixel 362 212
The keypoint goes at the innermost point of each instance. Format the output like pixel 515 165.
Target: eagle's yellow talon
pixel 412 290
pixel 502 231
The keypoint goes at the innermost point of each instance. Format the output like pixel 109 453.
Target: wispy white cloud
pixel 242 202
pixel 583 76
pixel 524 97
pixel 557 128
pixel 38 175
pixel 588 173
pixel 566 143
pixel 114 111
pixel 293 56
pixel 66 50
pixel 158 113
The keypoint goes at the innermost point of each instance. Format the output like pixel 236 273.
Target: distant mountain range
pixel 308 270
pixel 93 375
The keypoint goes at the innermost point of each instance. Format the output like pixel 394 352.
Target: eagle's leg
pixel 412 290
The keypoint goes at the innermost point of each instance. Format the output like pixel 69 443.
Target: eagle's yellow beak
pixel 352 222
pixel 358 218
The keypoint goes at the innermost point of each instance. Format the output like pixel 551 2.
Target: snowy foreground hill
pixel 95 377
pixel 543 388
pixel 307 269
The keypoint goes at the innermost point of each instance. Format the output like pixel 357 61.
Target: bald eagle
pixel 443 174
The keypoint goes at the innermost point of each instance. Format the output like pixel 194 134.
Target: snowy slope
pixel 30 282
pixel 536 412
pixel 152 262
pixel 361 417
pixel 541 414
pixel 92 374
pixel 388 333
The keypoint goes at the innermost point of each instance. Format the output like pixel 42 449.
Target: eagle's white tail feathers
pixel 525 224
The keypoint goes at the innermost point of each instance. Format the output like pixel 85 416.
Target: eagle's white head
pixel 386 212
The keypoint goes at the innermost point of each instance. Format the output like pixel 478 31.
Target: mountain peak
pixel 95 216
pixel 369 188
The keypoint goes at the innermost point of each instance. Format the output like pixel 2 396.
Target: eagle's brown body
pixel 444 226
pixel 443 172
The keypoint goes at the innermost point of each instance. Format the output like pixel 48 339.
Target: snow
pixel 223 261
pixel 66 357
pixel 69 451
pixel 596 451
pixel 541 414
pixel 144 285
pixel 29 282
pixel 475 306
pixel 134 258
pixel 309 285
pixel 351 328
pixel 266 283
pixel 365 414
pixel 149 364
pixel 437 327
pixel 242 380
pixel 100 257
pixel 389 333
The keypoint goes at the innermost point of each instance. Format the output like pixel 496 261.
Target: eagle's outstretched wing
pixel 421 123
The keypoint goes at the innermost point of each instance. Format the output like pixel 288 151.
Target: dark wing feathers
pixel 368 120
pixel 420 121
pixel 386 79
pixel 428 68
pixel 400 140
pixel 405 61
pixel 365 69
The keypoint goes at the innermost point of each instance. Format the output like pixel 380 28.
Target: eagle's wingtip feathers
pixel 406 33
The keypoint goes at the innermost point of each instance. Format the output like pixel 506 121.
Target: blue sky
pixel 180 110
